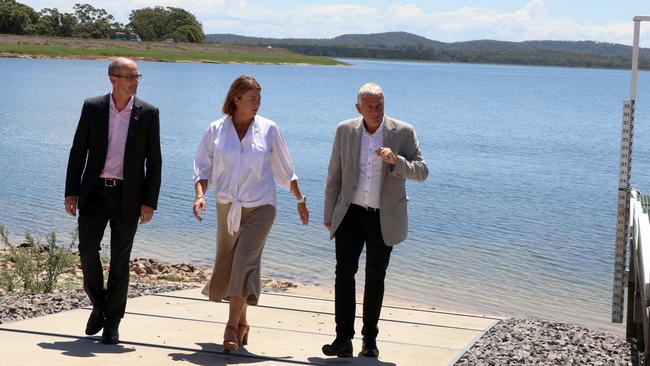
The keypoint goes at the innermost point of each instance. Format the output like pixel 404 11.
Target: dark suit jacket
pixel 142 158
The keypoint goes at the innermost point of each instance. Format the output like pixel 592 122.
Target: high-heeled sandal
pixel 230 341
pixel 242 333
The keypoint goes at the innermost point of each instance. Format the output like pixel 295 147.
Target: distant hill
pixel 403 45
pixel 585 47
pixel 390 39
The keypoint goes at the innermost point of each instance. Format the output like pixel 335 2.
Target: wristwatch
pixel 302 200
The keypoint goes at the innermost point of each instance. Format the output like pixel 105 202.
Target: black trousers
pixel 104 207
pixel 358 227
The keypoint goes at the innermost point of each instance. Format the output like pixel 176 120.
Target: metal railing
pixel 638 326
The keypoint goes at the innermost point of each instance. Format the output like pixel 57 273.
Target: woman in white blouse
pixel 243 156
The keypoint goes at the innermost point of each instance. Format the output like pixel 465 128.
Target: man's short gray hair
pixel 369 90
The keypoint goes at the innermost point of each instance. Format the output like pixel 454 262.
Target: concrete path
pixel 183 328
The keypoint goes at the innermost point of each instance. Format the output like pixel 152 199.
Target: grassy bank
pixel 74 48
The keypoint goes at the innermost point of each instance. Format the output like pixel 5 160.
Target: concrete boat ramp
pixel 183 328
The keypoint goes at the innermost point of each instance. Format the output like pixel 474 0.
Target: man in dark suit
pixel 114 174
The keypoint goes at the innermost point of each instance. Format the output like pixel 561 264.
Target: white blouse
pixel 244 173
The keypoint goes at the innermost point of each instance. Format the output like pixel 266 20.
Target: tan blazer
pixel 344 166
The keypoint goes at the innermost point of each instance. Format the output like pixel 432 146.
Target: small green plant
pixel 56 262
pixel 27 260
pixel 7 277
pixel 36 266
pixel 4 235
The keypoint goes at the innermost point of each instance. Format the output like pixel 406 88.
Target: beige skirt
pixel 236 270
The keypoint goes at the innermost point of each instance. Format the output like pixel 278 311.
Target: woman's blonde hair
pixel 238 88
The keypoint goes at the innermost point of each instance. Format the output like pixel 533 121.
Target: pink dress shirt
pixel 118 129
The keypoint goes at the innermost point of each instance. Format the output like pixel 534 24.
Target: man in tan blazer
pixel 365 203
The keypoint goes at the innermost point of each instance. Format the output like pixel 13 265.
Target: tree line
pixel 519 57
pixel 408 46
pixel 151 24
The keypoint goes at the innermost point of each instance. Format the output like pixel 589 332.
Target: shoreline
pixel 520 340
pixel 145 59
pixel 36 47
pixel 296 286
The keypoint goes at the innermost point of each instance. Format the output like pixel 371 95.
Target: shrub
pixel 56 262
pixel 36 267
pixel 7 277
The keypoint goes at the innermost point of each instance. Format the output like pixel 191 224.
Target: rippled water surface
pixel 517 216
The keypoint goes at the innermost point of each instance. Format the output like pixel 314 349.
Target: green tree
pixel 158 23
pixel 190 33
pixel 68 23
pixel 186 24
pixel 16 18
pixel 95 23
pixel 47 23
pixel 51 22
pixel 149 23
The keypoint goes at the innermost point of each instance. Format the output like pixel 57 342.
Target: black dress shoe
pixel 95 322
pixel 111 334
pixel 370 348
pixel 341 347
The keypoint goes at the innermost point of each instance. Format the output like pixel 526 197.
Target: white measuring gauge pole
pixel 623 206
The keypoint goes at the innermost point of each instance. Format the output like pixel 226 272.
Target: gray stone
pixel 518 341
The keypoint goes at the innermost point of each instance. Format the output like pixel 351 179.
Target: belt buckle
pixel 110 182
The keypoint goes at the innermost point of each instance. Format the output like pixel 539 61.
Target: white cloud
pixel 306 21
pixel 531 22
pixel 325 20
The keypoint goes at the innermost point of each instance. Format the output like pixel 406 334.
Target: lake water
pixel 517 216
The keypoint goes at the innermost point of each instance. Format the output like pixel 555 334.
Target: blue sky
pixel 448 21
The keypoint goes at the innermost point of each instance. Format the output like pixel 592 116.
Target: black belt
pixel 110 182
pixel 365 208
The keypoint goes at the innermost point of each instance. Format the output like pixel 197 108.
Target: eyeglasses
pixel 135 77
